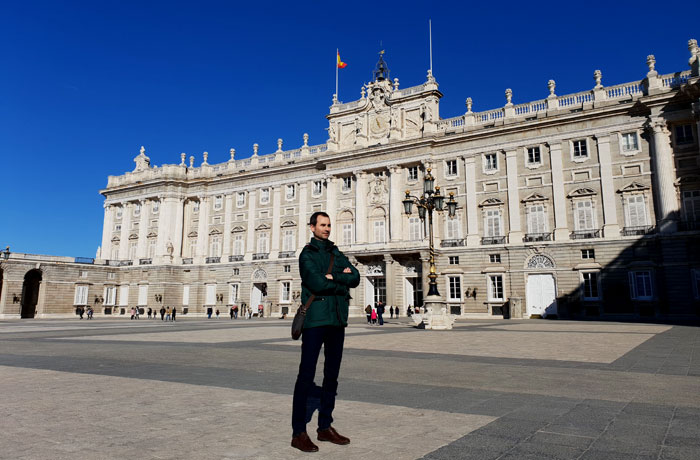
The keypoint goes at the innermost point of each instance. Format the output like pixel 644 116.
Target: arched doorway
pixel 30 293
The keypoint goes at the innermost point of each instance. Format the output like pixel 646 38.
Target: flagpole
pixel 430 31
pixel 337 52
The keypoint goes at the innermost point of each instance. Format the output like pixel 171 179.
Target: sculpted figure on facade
pixel 378 192
pixel 142 161
pixel 331 133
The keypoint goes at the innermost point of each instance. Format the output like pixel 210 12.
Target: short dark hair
pixel 314 217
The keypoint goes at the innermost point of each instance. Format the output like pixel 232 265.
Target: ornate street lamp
pixel 431 200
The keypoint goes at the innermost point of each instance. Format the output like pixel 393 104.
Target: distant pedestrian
pixel 374 316
pixel 380 313
pixel 136 313
pixel 174 311
pixel 261 310
pixel 167 313
pixel 231 312
pixel 149 312
pixel 391 311
pixel 162 313
pixel 368 312
pixel 79 311
pixel 396 312
pixel 133 313
pixel 90 312
pixel 409 312
pixel 250 313
pixel 235 312
pixel 217 313
pixel 209 312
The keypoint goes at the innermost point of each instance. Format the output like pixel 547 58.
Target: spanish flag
pixel 341 64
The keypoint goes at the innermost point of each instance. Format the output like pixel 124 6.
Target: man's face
pixel 322 229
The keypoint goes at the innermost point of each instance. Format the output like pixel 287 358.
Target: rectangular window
pixel 118 228
pixel 590 285
pixel 119 213
pixel 83 273
pixel 143 295
pixel 629 142
pixel 238 245
pixel 691 205
pixel 218 202
pixel 215 246
pixel 495 258
pixel 451 168
pixel 236 272
pixel 288 241
pixel 584 215
pixel 452 230
pixel 192 247
pixel 151 248
pixel 347 183
pixel 379 234
pixel 640 285
pixel 587 253
pixel 137 210
pixel 287 268
pixel 81 295
pixel 111 276
pixel 317 188
pixel 286 291
pixel 154 223
pixel 490 162
pixel 115 252
pixel 454 260
pixel 492 222
pixel 135 225
pixel 195 206
pixel 347 233
pixel 415 227
pixel 580 149
pixel 262 243
pixel 412 173
pixel 533 156
pixel 240 199
pixel 265 195
pixel 536 219
pixel 216 220
pixel 683 134
pixel 233 293
pixel 455 287
pixel 156 207
pixel 290 192
pixel 495 288
pixel 110 295
pixel 210 294
pixel 133 246
pixel 186 294
pixel 636 214
pixel 124 295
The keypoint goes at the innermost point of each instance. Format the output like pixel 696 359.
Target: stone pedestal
pixel 436 316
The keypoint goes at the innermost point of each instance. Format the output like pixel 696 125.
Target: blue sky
pixel 84 84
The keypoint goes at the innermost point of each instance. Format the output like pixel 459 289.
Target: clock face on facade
pixel 379 125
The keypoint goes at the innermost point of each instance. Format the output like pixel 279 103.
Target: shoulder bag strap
pixel 305 307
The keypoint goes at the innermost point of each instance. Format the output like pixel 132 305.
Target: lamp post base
pixel 436 316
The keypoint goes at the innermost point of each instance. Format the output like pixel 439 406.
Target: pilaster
pixel 392 284
pixel 303 218
pixel 561 228
pixel 664 176
pixel 178 229
pixel 275 243
pixel 107 229
pixel 360 207
pixel 124 236
pixel 228 215
pixel 331 200
pixel 202 230
pixel 515 234
pixel 395 204
pixel 470 187
pixel 250 233
pixel 611 229
pixel 143 230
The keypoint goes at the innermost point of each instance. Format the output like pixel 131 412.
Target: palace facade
pixel 577 205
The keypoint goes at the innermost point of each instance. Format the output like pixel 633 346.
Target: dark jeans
pixel 332 339
pixel 381 319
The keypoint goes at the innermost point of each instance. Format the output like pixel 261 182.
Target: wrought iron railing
pixel 287 254
pixel 187 261
pixel 641 230
pixel 235 258
pixel 114 263
pixel 145 261
pixel 688 225
pixel 261 255
pixel 213 260
pixel 126 263
pixel 493 240
pixel 531 237
pixel 453 243
pixel 584 234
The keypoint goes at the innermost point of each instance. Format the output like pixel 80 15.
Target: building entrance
pixel 30 293
pixel 541 295
pixel 258 296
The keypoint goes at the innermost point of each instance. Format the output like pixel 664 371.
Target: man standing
pixel 380 313
pixel 324 324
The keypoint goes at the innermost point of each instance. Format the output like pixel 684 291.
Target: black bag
pixel 300 317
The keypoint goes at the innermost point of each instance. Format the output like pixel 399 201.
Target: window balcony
pixel 114 263
pixel 532 237
pixel 585 234
pixel 145 261
pixel 643 230
pixel 126 263
pixel 287 254
pixel 688 225
pixel 213 260
pixel 493 240
pixel 453 243
pixel 235 258
pixel 187 261
pixel 261 256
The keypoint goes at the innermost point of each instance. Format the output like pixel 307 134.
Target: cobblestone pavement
pixel 221 389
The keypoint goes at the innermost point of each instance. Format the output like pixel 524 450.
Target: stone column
pixel 392 283
pixel 107 229
pixel 276 204
pixel 167 225
pixel 360 207
pixel 561 228
pixel 124 236
pixel 425 270
pixel 515 234
pixel 395 204
pixel 250 233
pixel 141 250
pixel 331 200
pixel 471 211
pixel 202 231
pixel 611 229
pixel 228 215
pixel 178 230
pixel 302 225
pixel 664 176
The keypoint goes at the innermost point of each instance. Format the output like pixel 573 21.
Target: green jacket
pixel 330 307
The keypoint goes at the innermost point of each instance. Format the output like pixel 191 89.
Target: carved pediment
pixel 115 239
pixel 491 202
pixel 262 227
pixel 133 236
pixel 582 192
pixel 289 223
pixel 534 197
pixel 216 231
pixel 192 234
pixel 238 229
pixel 633 187
pixel 152 235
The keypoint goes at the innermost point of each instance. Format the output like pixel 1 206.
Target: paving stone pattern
pixel 221 389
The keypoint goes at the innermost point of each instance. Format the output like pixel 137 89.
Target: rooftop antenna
pixel 430 33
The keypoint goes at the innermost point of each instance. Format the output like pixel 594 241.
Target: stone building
pixel 579 205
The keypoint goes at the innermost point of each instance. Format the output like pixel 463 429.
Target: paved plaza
pixel 222 389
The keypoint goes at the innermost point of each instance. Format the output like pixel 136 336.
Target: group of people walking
pixel 83 311
pixel 376 314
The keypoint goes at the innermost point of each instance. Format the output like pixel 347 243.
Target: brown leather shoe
pixel 304 443
pixel 329 434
